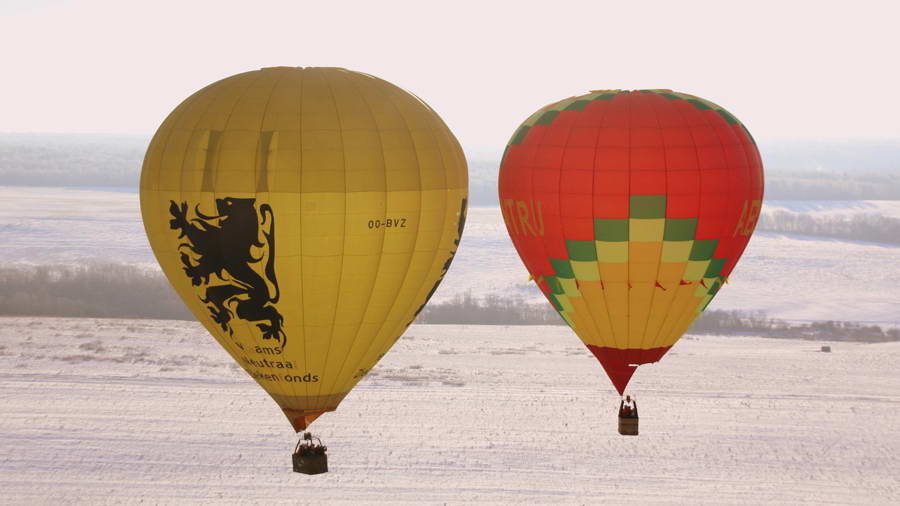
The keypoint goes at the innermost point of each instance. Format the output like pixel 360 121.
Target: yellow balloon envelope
pixel 305 216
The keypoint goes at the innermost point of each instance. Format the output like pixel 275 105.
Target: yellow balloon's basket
pixel 310 457
pixel 628 425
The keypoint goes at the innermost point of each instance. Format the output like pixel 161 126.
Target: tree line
pixel 860 227
pixel 94 290
pixel 129 291
pixel 493 310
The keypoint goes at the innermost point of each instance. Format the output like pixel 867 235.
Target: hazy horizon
pixel 485 152
pixel 787 70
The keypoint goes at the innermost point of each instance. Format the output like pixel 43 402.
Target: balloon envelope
pixel 305 216
pixel 630 209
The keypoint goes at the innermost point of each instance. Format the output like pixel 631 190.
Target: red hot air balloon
pixel 630 209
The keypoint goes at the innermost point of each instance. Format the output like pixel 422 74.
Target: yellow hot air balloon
pixel 305 216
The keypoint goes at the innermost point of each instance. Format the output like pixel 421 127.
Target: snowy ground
pixel 787 276
pixel 59 225
pixel 152 412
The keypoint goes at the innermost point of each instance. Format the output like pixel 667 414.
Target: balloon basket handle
pixel 310 455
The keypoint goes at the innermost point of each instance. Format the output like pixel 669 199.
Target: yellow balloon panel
pixel 304 216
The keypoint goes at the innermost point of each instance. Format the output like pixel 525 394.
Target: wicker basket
pixel 628 425
pixel 310 464
pixel 309 457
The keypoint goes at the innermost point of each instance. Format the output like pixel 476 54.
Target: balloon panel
pixel 304 216
pixel 630 210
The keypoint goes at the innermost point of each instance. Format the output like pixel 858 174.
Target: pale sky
pixel 787 69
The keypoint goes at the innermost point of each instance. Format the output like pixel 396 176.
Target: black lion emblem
pixel 221 245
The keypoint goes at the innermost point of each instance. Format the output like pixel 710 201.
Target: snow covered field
pixel 787 276
pixel 153 412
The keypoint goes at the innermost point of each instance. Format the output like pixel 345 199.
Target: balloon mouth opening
pixel 302 418
pixel 620 364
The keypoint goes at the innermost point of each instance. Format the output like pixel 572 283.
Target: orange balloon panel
pixel 630 209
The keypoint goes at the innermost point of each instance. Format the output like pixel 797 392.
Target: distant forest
pixel 493 310
pixel 796 170
pixel 93 290
pixel 858 227
pixel 125 291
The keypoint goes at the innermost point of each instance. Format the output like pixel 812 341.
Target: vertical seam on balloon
pixel 666 312
pixel 654 342
pixel 414 300
pixel 445 234
pixel 283 74
pixel 230 346
pixel 665 214
pixel 225 342
pixel 628 97
pixel 303 73
pixel 382 327
pixel 443 132
pixel 679 312
pixel 720 236
pixel 342 385
pixel 418 227
pixel 590 313
pixel 699 196
pixel 340 275
pixel 345 383
pixel 258 78
pixel 612 329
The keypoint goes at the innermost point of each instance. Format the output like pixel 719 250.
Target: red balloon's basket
pixel 628 425
pixel 310 457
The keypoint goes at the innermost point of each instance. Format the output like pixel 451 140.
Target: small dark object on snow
pixel 628 417
pixel 826 349
pixel 310 457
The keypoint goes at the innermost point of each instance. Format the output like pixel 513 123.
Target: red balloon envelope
pixel 630 209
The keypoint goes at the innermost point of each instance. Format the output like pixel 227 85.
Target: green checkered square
pixel 609 230
pixel 647 206
pixel 581 250
pixel 576 105
pixel 562 268
pixel 680 229
pixel 703 249
pixel 547 118
pixel 715 267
